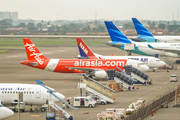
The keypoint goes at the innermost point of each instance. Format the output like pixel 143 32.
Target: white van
pixel 84 101
pixel 173 78
pixel 98 99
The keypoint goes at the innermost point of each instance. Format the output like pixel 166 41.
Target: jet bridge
pixel 56 107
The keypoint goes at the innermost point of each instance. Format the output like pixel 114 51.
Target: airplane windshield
pixel 1 105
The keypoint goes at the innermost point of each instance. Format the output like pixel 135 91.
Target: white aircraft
pixel 145 36
pixel 5 112
pixel 32 94
pixel 119 40
pixel 86 53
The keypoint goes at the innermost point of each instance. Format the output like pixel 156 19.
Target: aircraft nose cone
pixel 8 112
pixel 163 63
pixel 145 68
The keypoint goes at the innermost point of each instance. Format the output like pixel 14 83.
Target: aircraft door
pixel 2 100
pixel 38 93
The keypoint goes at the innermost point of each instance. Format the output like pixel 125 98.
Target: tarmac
pixel 13 72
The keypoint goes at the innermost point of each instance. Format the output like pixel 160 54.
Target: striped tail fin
pixel 84 50
pixel 115 34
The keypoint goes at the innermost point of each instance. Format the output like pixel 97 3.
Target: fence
pixel 146 110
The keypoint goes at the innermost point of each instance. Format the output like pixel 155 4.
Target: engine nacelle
pixel 101 74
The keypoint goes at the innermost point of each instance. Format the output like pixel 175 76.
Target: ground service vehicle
pixel 15 106
pixel 173 78
pixel 84 101
pixel 134 106
pixel 98 100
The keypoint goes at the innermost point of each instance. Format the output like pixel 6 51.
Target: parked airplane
pixel 32 94
pixel 92 67
pixel 119 40
pixel 145 36
pixel 151 62
pixel 5 112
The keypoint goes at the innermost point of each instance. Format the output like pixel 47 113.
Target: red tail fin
pixel 84 50
pixel 32 52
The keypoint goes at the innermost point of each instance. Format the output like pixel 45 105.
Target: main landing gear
pixel 129 52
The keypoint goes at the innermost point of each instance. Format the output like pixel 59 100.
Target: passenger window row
pixel 15 92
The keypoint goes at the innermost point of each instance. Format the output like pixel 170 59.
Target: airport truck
pixel 84 101
pixel 98 100
pixel 134 106
pixel 14 106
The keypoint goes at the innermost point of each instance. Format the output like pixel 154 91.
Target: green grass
pixel 45 41
pixel 1 51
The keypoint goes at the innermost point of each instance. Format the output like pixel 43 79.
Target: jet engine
pixel 101 74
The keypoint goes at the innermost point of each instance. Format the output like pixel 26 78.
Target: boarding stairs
pixel 62 113
pixel 137 74
pixel 83 85
pixel 99 87
pixel 120 78
pixel 97 83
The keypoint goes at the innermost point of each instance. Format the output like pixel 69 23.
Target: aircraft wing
pixel 165 50
pixel 85 69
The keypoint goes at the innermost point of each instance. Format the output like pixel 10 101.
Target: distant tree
pixel 39 25
pixel 21 25
pixel 149 23
pixel 171 28
pixel 86 29
pixel 152 25
pixel 52 28
pixel 161 26
pixel 128 25
pixel 8 21
pixel 31 26
pixel 99 28
pixel 178 29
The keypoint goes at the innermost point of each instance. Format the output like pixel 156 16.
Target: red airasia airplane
pixel 92 67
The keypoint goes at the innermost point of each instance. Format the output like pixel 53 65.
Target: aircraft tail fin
pixel 141 30
pixel 84 50
pixel 32 51
pixel 115 34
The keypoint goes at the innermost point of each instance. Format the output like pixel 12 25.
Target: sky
pixel 93 9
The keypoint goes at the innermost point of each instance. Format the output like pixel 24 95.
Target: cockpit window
pixel 1 105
